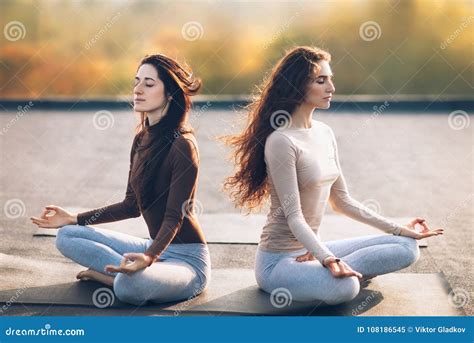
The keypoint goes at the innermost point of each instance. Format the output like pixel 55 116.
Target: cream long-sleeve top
pixel 304 174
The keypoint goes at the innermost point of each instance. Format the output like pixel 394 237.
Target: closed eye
pixel 149 81
pixel 321 79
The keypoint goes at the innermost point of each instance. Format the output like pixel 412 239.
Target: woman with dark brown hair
pixel 286 155
pixel 174 263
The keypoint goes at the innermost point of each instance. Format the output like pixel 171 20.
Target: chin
pixel 138 108
pixel 324 106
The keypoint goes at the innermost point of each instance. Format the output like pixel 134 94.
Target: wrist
pixel 407 232
pixel 330 259
pixel 73 219
pixel 150 259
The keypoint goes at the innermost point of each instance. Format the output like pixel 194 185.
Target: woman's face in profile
pixel 321 87
pixel 149 90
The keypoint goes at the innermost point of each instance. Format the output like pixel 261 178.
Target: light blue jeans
pixel 184 272
pixel 310 281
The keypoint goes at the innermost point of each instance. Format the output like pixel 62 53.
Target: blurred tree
pixel 91 48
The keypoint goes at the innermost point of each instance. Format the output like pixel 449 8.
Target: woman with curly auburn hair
pixel 174 264
pixel 286 155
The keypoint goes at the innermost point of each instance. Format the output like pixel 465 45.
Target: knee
pixel 412 249
pixel 345 290
pixel 63 237
pixel 126 289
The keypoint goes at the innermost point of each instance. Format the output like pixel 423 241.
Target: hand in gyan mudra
pixel 54 217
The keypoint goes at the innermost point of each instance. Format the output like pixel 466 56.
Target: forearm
pixel 353 209
pixel 162 240
pixel 107 214
pixel 409 233
pixel 308 238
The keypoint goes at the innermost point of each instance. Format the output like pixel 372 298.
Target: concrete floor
pixel 408 165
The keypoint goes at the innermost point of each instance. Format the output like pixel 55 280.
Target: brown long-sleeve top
pixel 169 218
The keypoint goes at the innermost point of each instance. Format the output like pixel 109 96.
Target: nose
pixel 331 88
pixel 137 90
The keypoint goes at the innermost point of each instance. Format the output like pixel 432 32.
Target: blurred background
pixel 91 49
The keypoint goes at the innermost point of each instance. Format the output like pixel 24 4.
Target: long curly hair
pixel 179 83
pixel 274 101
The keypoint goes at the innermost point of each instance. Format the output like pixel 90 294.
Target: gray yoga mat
pixel 228 228
pixel 397 294
pixel 234 292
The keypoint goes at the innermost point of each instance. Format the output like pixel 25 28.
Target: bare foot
pixel 90 274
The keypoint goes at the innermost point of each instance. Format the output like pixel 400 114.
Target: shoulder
pixel 280 145
pixel 325 128
pixel 186 141
pixel 185 147
pixel 322 125
pixel 278 139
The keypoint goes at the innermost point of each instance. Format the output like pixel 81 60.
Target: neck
pixel 155 116
pixel 302 116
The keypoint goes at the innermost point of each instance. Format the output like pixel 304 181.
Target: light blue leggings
pixel 310 281
pixel 184 273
